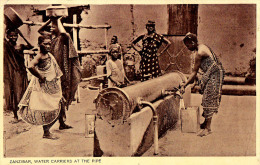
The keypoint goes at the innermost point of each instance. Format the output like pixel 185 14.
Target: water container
pixel 190 120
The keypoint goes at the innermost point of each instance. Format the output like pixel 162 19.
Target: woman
pixel 151 41
pixel 15 75
pixel 67 58
pixel 41 103
pixel 211 81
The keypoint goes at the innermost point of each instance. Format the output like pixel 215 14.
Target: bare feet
pixel 203 125
pixel 65 126
pixel 205 132
pixel 50 136
pixel 15 120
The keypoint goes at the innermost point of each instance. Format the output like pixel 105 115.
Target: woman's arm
pixel 43 27
pixel 195 70
pixel 167 42
pixel 135 41
pixel 60 26
pixel 31 67
pixel 127 80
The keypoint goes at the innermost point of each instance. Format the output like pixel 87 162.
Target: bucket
pixel 89 125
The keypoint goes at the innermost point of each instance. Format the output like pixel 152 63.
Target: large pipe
pixel 234 80
pixel 235 89
pixel 116 104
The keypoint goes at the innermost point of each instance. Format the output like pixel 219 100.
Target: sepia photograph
pixel 84 82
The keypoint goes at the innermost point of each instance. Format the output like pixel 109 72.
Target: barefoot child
pixel 41 103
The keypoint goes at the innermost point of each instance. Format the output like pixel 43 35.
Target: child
pixel 115 70
pixel 41 102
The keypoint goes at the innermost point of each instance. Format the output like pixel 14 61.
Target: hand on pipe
pixel 182 88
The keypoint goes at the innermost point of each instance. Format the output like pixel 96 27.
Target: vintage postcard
pixel 122 82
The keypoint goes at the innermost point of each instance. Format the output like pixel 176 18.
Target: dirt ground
pixel 234 133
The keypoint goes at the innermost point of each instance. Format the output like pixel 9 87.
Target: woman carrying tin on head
pixel 211 81
pixel 66 56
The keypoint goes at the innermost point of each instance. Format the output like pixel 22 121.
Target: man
pixel 15 75
pixel 67 58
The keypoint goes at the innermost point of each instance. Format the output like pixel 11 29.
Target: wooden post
pixel 4 144
pixel 75 41
pixel 106 32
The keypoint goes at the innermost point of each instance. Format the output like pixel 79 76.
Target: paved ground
pixel 234 130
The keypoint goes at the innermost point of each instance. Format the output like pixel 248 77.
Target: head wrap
pixel 190 36
pixel 150 22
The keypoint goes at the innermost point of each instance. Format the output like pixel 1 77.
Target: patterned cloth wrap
pixel 40 104
pixel 211 84
pixel 149 64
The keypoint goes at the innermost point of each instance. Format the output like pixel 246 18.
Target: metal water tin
pixel 56 11
pixel 12 18
pixel 190 120
pixel 89 125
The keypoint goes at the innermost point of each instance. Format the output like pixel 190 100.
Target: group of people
pixel 56 73
pixel 149 64
pixel 205 59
